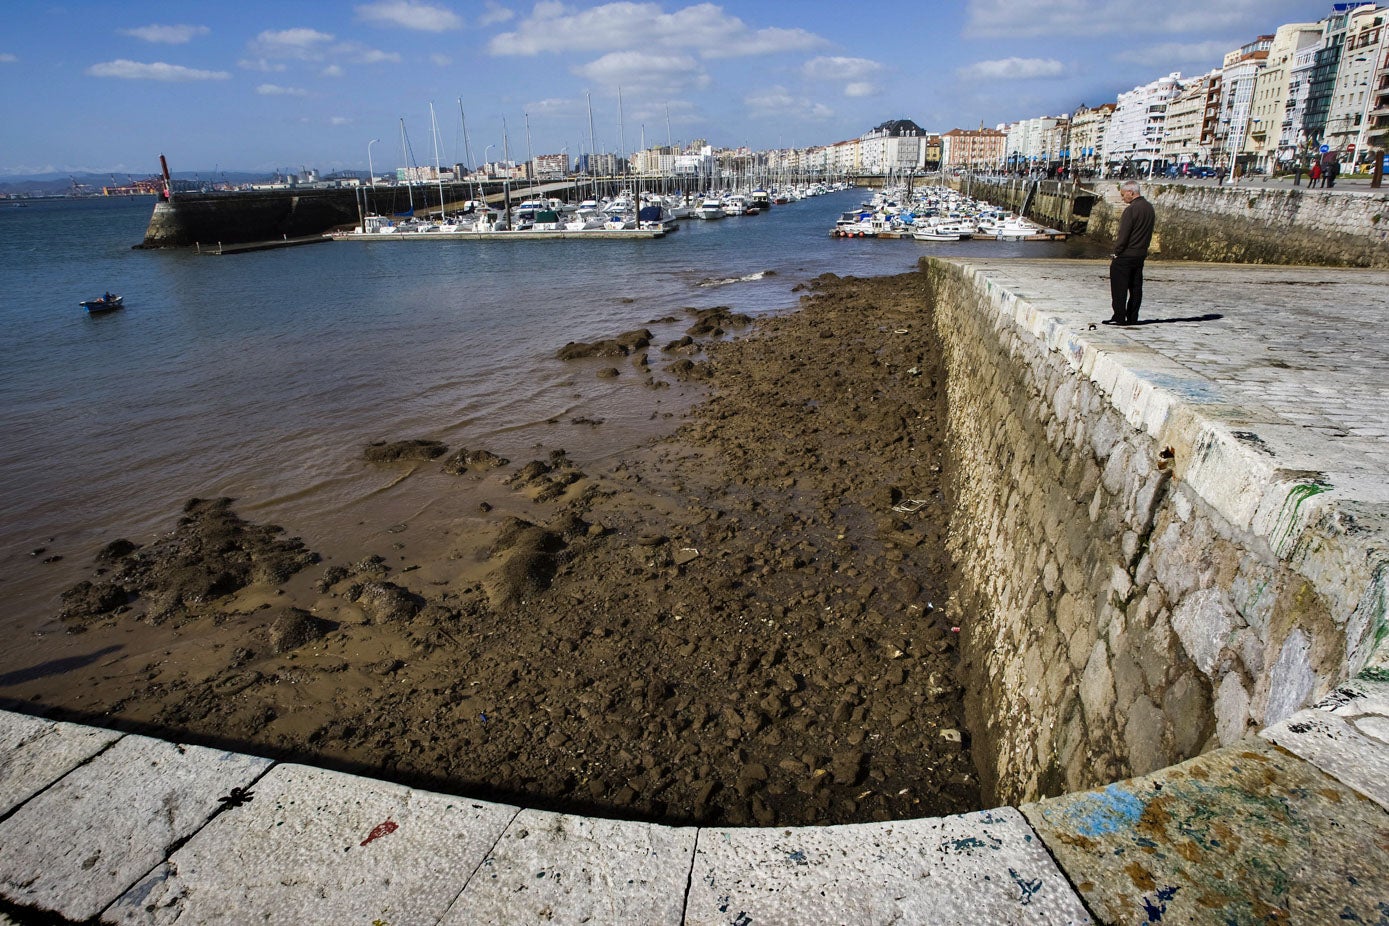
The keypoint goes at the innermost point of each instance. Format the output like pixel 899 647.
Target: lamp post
pixel 485 162
pixel 370 170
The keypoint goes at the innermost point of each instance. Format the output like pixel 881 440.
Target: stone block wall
pixel 1231 224
pixel 1120 612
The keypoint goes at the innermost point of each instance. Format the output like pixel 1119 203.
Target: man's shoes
pixel 1114 321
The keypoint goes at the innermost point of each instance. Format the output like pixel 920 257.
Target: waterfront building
pixel 933 151
pixel 1347 118
pixel 1377 135
pixel 1089 126
pixel 1299 89
pixel 1192 124
pixel 1272 140
pixel 600 165
pixel 1238 75
pixel 894 146
pixel 975 148
pixel 550 165
pixel 658 161
pixel 1133 143
pixel 1325 71
pixel 1031 143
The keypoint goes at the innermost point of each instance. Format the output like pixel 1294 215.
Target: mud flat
pixel 743 623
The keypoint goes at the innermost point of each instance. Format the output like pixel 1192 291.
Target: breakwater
pixel 1145 572
pixel 211 219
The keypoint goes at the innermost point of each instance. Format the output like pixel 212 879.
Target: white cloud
pixel 260 64
pixel 704 28
pixel 275 90
pixel 340 120
pixel 840 68
pixel 777 101
pixel 442 61
pixel 7 58
pixel 158 70
pixel 553 105
pixel 304 44
pixel 410 14
pixel 652 75
pixel 370 55
pixel 168 35
pixel 1013 18
pixel 332 70
pixel 861 88
pixel 1013 69
pixel 495 14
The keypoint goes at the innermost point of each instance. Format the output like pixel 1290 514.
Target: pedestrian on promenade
pixel 1314 175
pixel 1333 168
pixel 1130 250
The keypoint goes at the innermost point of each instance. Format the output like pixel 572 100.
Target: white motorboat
pixel 710 208
pixel 736 204
pixel 944 231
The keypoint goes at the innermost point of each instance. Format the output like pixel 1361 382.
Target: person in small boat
pixel 107 297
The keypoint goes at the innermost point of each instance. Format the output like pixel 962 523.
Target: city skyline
pixel 95 88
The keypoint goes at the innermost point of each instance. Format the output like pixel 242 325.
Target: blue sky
pixel 254 85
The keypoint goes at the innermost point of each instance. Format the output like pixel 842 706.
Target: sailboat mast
pixel 405 159
pixel 621 134
pixel 467 149
pixel 438 171
pixel 506 177
pixel 530 158
pixel 592 145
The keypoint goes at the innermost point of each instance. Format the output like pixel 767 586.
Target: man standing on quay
pixel 1130 250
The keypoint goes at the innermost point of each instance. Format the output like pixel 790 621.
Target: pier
pixel 1173 544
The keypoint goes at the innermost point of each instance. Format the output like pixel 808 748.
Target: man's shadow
pixel 1208 317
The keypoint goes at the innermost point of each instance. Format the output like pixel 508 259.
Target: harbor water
pixel 262 375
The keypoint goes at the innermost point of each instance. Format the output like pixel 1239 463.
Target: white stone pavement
pixel 127 829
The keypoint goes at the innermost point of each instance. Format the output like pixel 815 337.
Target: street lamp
pixel 371 172
pixel 485 161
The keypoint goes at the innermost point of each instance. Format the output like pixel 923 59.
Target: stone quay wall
pixel 1132 589
pixel 1220 224
pixel 1258 226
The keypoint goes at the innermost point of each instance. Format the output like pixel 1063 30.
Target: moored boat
pixel 710 208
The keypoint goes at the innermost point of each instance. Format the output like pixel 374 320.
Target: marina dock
pixel 509 235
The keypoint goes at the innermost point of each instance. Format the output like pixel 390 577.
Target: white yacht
pixel 710 208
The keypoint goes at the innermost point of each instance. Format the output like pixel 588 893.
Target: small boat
pixel 944 231
pixel 107 303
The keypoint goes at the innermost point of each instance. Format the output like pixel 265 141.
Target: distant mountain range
pixel 60 184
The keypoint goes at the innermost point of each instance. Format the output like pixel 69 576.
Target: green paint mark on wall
pixel 1297 495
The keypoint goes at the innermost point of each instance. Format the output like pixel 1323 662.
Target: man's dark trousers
pixel 1126 288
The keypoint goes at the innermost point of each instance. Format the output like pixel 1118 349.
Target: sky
pixel 107 87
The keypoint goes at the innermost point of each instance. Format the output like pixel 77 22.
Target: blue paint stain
pixel 1028 886
pixel 798 857
pixel 1106 811
pixel 968 842
pixel 1156 908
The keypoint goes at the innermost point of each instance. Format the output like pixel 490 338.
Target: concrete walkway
pixel 1291 826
